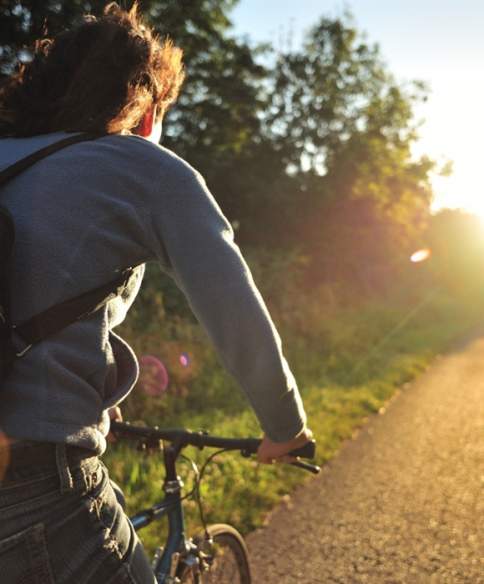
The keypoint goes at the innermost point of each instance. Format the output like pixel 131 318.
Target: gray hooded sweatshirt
pixel 81 216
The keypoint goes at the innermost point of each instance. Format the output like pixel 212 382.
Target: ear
pixel 145 127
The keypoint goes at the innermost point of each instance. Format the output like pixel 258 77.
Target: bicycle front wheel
pixel 227 558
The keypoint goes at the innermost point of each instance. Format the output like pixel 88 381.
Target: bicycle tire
pixel 230 563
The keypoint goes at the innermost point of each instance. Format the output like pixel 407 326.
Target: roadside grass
pixel 360 365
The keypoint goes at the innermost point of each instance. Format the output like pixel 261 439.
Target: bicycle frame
pixel 171 506
pixel 177 546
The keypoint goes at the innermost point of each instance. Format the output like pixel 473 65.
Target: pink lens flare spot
pixel 420 256
pixel 184 360
pixel 153 377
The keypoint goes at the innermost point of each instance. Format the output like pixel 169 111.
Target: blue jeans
pixel 62 523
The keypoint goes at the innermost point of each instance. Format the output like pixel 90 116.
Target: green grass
pixel 349 376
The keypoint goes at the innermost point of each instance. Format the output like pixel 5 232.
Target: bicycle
pixel 218 554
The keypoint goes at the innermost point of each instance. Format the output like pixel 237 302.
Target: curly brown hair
pixel 100 76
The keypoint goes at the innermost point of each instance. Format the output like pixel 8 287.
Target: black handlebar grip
pixel 306 466
pixel 306 451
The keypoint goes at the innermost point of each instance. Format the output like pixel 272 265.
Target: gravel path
pixel 402 503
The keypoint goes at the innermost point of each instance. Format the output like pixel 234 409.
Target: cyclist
pixel 82 215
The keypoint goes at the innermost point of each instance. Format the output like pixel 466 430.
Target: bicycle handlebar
pixel 183 438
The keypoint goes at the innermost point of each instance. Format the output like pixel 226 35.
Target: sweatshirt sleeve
pixel 197 242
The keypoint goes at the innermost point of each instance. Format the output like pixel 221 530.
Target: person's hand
pixel 270 452
pixel 114 414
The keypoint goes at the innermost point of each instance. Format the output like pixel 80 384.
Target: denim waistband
pixel 28 460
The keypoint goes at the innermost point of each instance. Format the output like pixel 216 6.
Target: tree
pixel 333 87
pixel 344 129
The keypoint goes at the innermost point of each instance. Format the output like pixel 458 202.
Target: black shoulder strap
pixel 21 165
pixel 61 315
pixel 57 317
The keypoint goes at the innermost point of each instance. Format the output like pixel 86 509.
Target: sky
pixel 437 41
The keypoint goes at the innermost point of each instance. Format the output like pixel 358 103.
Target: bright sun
pixel 458 191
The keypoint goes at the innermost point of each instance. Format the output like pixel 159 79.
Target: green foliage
pixel 353 382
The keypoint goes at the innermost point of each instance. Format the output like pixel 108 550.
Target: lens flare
pixel 420 256
pixel 184 360
pixel 153 377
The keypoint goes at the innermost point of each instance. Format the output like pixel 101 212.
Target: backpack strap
pixel 21 165
pixel 57 317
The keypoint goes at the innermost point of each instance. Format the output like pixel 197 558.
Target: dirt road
pixel 403 502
